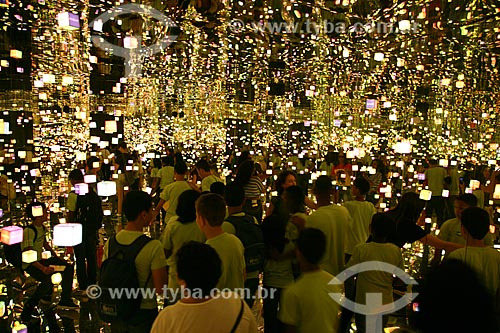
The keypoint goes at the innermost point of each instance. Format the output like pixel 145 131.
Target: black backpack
pixel 250 235
pixel 89 210
pixel 119 272
pixel 14 253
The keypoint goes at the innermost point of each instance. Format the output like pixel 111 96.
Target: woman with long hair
pixel 406 215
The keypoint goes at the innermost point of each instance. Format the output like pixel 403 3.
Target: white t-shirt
pixel 208 181
pixel 361 213
pixel 307 304
pixel 171 193
pixel 334 221
pixel 485 261
pixel 435 180
pixel 215 315
pixel 375 281
pixel 166 175
pixel 231 253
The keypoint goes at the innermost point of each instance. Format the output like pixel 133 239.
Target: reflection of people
pixel 7 191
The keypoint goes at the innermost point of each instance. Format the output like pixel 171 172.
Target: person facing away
pixel 453 298
pixel 200 308
pixel 451 230
pixel 361 212
pixel 334 221
pixel 306 305
pixel 210 214
pixel 42 269
pixel 172 191
pixel 234 195
pixel 150 262
pixel 378 250
pixel 179 231
pixel 435 179
pixel 85 209
pixel 484 260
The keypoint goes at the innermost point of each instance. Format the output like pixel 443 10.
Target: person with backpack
pixel 85 209
pixel 248 231
pixel 133 261
pixel 34 238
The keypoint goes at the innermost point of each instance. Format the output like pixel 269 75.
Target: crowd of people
pixel 232 234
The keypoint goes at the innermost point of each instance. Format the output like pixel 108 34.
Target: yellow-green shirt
pixel 30 241
pixel 231 253
pixel 151 257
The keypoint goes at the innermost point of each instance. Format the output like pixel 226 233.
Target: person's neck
pixel 37 222
pixel 376 239
pixel 360 198
pixel 471 242
pixel 134 226
pixel 212 232
pixel 234 210
pixel 191 300
pixel 323 200
pixel 306 267
pixel 178 178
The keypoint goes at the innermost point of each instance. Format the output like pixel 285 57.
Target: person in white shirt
pixel 306 305
pixel 484 260
pixel 201 308
pixel 210 214
pixel 206 175
pixel 334 221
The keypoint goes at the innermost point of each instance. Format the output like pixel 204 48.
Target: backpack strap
pixel 238 319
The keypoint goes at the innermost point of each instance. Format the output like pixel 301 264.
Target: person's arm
pixel 47 247
pixel 157 210
pixel 160 279
pixel 45 269
pixel 436 242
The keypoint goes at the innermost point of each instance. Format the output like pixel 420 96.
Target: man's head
pixel 203 168
pixel 311 246
pixel 138 207
pixel 122 146
pixel 93 164
pixel 360 186
pixel 180 168
pixel 218 188
pixel 234 195
pixel 75 177
pixel 382 226
pixel 210 211
pixel 37 212
pixel 464 201
pixel 323 186
pixel 198 268
pixel 475 223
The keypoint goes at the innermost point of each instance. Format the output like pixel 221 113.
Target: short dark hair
pixel 136 202
pixel 382 225
pixel 234 194
pixel 467 198
pixel 122 144
pixel 91 161
pixel 76 175
pixel 203 164
pixel 180 167
pixel 199 266
pixel 362 185
pixel 212 208
pixel 217 188
pixel 323 185
pixel 186 210
pixel 29 208
pixel 312 245
pixel 476 221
